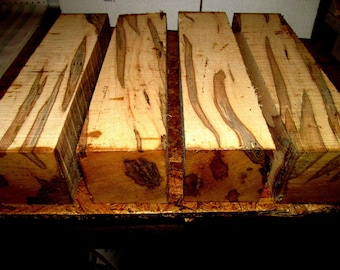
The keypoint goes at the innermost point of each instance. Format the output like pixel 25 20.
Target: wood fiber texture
pixel 227 141
pixel 301 107
pixel 44 109
pixel 124 142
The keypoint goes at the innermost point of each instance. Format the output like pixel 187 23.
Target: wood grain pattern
pixel 83 207
pixel 300 105
pixel 123 146
pixel 227 141
pixel 44 110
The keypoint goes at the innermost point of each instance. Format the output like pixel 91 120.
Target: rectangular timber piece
pixel 300 105
pixel 227 142
pixel 43 110
pixel 122 150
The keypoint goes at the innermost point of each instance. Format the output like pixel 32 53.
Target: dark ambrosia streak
pixel 120 50
pixel 23 112
pixel 222 104
pixel 280 85
pixel 317 77
pixel 39 123
pixel 159 48
pixel 309 130
pixel 156 40
pixel 332 113
pixel 132 21
pixel 75 72
pixel 192 89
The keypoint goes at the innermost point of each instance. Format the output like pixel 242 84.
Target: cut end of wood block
pixel 225 175
pixel 34 178
pixel 125 177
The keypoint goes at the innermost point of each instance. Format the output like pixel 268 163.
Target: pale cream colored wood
pixel 300 105
pixel 225 132
pixel 127 115
pixel 44 109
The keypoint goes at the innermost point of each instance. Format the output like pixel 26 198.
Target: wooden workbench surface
pixel 83 205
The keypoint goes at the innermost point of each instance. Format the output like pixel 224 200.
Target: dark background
pixel 171 243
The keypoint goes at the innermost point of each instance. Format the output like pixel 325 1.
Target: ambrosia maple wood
pixel 123 145
pixel 301 107
pixel 44 109
pixel 227 141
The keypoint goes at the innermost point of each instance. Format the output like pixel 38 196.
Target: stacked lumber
pixel 44 109
pixel 227 142
pixel 18 22
pixel 123 146
pixel 300 105
pixel 241 113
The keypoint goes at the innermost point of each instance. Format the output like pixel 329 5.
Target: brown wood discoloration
pixel 161 55
pixel 120 50
pixel 23 112
pixel 54 191
pixel 76 68
pixel 132 20
pixel 246 138
pixel 218 168
pixel 192 185
pixel 192 89
pixel 300 106
pixel 309 131
pixel 143 172
pixel 279 82
pixel 37 128
pixel 211 175
pixel 318 78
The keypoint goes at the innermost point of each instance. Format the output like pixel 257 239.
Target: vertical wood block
pixel 301 107
pixel 123 145
pixel 227 141
pixel 44 109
